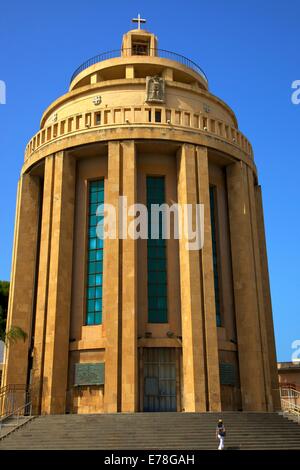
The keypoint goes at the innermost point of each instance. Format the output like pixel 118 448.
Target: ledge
pixel 88 344
pixel 92 88
pixel 145 133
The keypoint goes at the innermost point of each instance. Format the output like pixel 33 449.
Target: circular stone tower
pixel 147 324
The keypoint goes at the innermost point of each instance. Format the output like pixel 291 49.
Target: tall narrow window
pixel 212 193
pixel 157 261
pixel 95 255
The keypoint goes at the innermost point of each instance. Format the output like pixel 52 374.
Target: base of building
pixel 245 430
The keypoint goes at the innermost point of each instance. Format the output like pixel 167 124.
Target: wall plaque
pixel 155 90
pixel 227 374
pixel 89 374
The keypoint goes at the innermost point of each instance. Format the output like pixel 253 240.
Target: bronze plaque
pixel 89 374
pixel 227 374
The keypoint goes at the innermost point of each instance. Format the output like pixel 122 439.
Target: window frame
pixel 215 218
pixel 158 246
pixel 87 251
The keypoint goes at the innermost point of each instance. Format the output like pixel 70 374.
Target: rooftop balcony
pixel 150 53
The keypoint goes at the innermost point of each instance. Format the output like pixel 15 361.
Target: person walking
pixel 220 434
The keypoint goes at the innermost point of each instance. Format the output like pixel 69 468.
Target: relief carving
pixel 155 90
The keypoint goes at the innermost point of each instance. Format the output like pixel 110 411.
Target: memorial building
pixel 124 324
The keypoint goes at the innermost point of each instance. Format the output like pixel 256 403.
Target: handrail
pixel 24 410
pixel 290 408
pixel 289 392
pixel 17 412
pixel 10 398
pixel 12 387
pixel 162 53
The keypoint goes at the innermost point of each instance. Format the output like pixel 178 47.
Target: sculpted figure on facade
pixel 155 90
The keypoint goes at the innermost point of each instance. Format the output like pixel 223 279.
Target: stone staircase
pixel 12 423
pixel 155 431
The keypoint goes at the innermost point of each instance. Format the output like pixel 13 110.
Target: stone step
pixel 155 431
pixel 161 434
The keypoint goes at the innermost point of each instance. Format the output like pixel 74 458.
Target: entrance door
pixel 160 379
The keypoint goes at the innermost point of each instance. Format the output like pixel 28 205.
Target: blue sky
pixel 249 50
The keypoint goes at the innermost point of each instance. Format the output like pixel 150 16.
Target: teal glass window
pixel 156 256
pixel 94 254
pixel 212 194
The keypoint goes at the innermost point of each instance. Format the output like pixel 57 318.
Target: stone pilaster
pixel 193 352
pixel 42 287
pixel 245 290
pixel 111 286
pixel 207 287
pixel 260 294
pixel 129 290
pixel 267 301
pixel 59 286
pixel 21 295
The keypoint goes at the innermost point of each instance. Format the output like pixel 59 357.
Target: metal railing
pixel 13 398
pixel 17 413
pixel 291 409
pixel 289 393
pixel 9 394
pixel 290 402
pixel 160 53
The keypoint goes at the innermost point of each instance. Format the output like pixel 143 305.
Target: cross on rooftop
pixel 138 20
